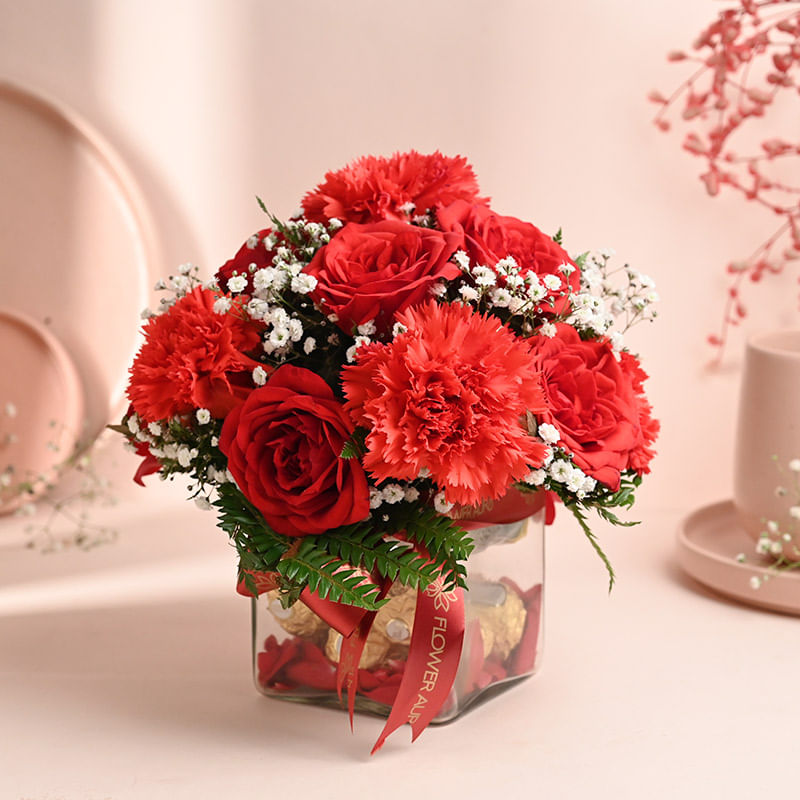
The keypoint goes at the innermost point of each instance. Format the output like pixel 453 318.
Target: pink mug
pixel 768 438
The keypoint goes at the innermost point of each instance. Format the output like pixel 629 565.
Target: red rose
pixel 253 255
pixel 596 403
pixel 373 188
pixel 370 272
pixel 489 237
pixel 283 445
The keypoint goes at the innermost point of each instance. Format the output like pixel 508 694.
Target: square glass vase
pixel 295 653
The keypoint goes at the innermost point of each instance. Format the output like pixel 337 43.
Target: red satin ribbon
pixel 433 656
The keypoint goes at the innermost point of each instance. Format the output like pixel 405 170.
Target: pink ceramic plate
pixel 709 541
pixel 75 243
pixel 41 407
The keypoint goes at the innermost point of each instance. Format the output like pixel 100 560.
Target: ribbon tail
pixel 350 655
pixel 433 656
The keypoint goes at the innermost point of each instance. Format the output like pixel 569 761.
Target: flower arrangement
pixel 745 65
pixel 395 359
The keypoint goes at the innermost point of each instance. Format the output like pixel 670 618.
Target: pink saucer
pixel 41 406
pixel 77 243
pixel 709 540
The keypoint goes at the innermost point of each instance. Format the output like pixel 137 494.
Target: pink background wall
pixel 213 101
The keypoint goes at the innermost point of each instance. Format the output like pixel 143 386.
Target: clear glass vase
pixel 295 653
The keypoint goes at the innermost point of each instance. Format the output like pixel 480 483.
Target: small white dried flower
pixel 203 416
pixel 440 503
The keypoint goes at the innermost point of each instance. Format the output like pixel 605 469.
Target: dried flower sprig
pixel 744 60
pixel 780 542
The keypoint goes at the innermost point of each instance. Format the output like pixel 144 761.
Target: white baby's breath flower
pixel 304 283
pixel 393 493
pixel 438 289
pixel 368 328
pixel 500 297
pixel 203 416
pixel 295 330
pixel 549 433
pixel 549 455
pixel 566 269
pixel 755 582
pixel 468 294
pixel 154 428
pixel 607 252
pixel 462 259
pixel 506 265
pixel 411 494
pixel 375 497
pixel 794 512
pixel 146 314
pixel 309 345
pixel 548 329
pixel 259 376
pixel 133 424
pixel 185 456
pixel 264 278
pixel 560 470
pixel 536 292
pixel 11 410
pixel 484 276
pixel 258 308
pixel 334 223
pixel 222 305
pixel 535 478
pixel 552 282
pixel 279 336
pixel 202 503
pixel 772 526
pixel 440 503
pixel 794 465
pixel 575 480
pixel 776 548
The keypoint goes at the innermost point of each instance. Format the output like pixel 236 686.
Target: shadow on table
pixel 181 665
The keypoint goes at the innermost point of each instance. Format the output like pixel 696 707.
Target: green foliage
pixel 602 501
pixel 559 237
pixel 355 446
pixel 332 578
pixel 333 564
pixel 260 549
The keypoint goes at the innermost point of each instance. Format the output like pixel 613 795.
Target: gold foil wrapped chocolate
pixel 390 634
pixel 298 619
pixel 501 614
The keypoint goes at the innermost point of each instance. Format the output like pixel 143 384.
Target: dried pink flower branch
pixel 744 60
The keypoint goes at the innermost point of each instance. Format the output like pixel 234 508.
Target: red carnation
pixel 597 405
pixel 283 446
pixel 448 396
pixel 256 253
pixel 370 272
pixel 375 188
pixel 193 358
pixel 489 237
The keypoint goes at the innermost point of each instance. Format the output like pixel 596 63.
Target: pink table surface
pixel 124 673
